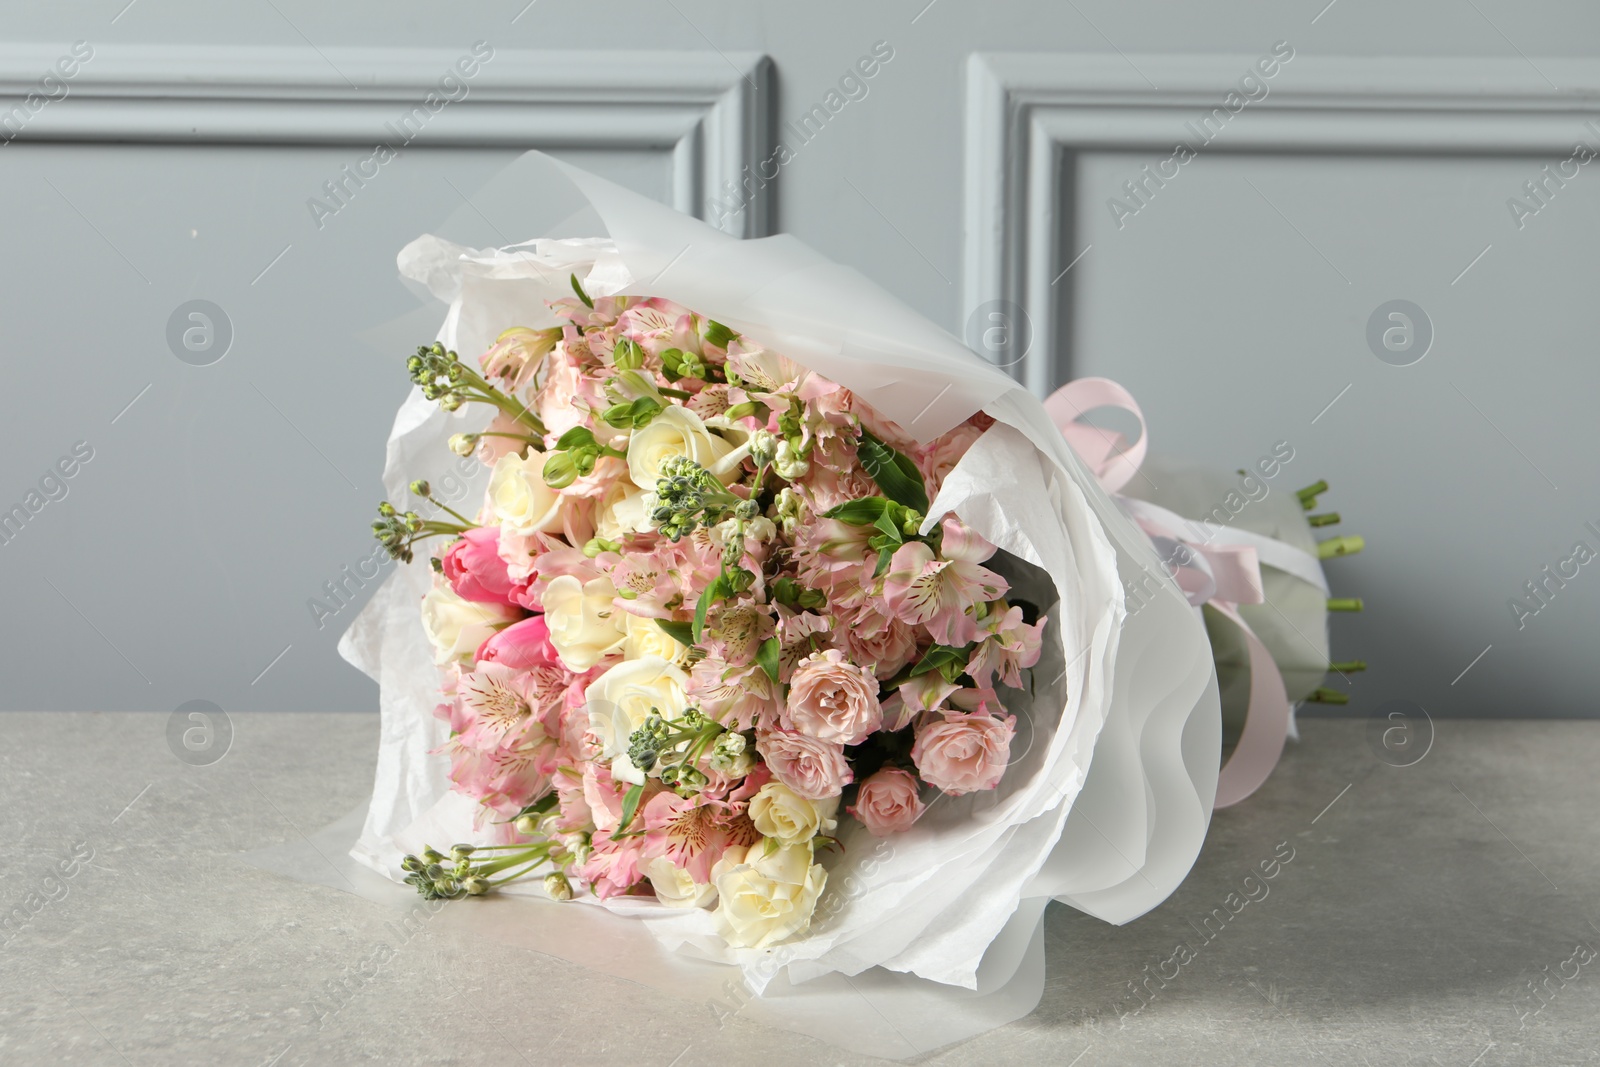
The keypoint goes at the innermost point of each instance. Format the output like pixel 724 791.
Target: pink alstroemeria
pixel 687 831
pixel 737 697
pixel 504 707
pixel 1010 646
pixel 613 866
pixel 656 325
pixel 942 594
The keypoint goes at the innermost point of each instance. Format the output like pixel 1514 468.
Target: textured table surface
pixel 1443 912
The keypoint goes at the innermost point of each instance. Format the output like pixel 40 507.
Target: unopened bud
pixel 461 852
pixel 557 886
pixel 526 825
pixel 559 470
pixel 462 444
pixel 763 447
pixel 790 462
pixel 476 887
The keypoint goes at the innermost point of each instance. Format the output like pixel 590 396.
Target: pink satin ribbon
pixel 1223 576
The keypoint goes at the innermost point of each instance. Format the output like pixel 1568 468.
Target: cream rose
pixel 646 638
pixel 621 699
pixel 675 887
pixel 585 624
pixel 522 503
pixel 780 812
pixel 677 431
pixel 623 509
pixel 765 898
pixel 456 627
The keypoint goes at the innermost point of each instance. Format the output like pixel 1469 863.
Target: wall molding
pixel 712 112
pixel 1029 116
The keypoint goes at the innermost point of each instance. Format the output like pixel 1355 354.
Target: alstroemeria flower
pixel 941 594
pixel 687 831
pixel 1010 646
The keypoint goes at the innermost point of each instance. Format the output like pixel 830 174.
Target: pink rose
pixel 814 769
pixel 521 646
pixel 879 639
pixel 832 699
pixel 964 752
pixel 887 803
pixel 474 567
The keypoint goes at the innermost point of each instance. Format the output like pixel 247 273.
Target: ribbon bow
pixel 1212 564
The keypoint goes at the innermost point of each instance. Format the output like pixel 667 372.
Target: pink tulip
pixel 520 646
pixel 475 570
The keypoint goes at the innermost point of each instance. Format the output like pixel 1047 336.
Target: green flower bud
pixel 461 852
pixel 627 355
pixel 476 887
pixel 557 886
pixel 559 470
pixel 462 444
pixel 526 825
pixel 596 545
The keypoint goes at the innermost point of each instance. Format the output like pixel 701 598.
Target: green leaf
pixel 864 512
pixel 681 632
pixel 769 847
pixel 895 474
pixel 576 288
pixel 538 807
pixel 709 596
pixel 884 556
pixel 767 656
pixel 890 527
pixel 630 804
pixel 939 657
pixel 578 435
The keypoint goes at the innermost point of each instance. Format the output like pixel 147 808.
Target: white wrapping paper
pixel 1114 768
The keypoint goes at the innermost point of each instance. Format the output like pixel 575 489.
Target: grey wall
pixel 1234 302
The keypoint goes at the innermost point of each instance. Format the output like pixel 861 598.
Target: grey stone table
pixel 1437 913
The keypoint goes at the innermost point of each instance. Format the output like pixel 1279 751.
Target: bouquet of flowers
pixel 699 618
pixel 755 607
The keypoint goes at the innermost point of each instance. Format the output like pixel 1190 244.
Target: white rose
pixel 456 627
pixel 675 887
pixel 521 501
pixel 622 698
pixel 780 812
pixel 585 624
pixel 765 898
pixel 677 431
pixel 623 510
pixel 646 638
